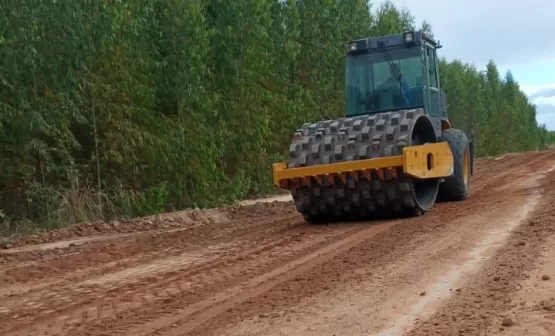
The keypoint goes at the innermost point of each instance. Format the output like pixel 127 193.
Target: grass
pixel 77 204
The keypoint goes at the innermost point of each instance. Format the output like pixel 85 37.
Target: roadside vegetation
pixel 113 109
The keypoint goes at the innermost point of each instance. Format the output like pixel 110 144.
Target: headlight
pixel 353 46
pixel 408 37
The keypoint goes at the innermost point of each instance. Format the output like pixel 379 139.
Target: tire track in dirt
pixel 180 330
pixel 399 242
pixel 237 261
pixel 483 304
pixel 107 257
pixel 142 241
pixel 501 168
pixel 240 220
pixel 174 260
pixel 203 311
pixel 270 274
pixel 265 255
pixel 451 278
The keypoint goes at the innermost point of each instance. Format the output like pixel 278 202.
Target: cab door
pixel 433 97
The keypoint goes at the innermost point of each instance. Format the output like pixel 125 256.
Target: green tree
pixel 129 108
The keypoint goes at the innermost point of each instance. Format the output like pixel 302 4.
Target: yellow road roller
pixel 394 153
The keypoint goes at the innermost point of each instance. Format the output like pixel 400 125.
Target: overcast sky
pixel 517 35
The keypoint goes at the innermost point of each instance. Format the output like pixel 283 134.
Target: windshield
pixel 384 81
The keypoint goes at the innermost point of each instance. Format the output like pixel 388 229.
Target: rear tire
pixel 457 186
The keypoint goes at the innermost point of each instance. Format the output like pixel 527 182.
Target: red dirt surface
pixel 479 267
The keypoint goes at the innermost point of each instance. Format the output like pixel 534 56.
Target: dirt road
pixel 485 266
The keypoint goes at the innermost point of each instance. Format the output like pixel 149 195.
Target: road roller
pixel 393 152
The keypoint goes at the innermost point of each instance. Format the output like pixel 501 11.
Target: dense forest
pixel 126 108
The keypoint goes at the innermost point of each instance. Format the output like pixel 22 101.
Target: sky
pixel 517 35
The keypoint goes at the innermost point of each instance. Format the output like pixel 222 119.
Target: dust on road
pixel 478 267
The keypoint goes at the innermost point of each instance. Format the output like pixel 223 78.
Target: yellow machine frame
pixel 423 162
